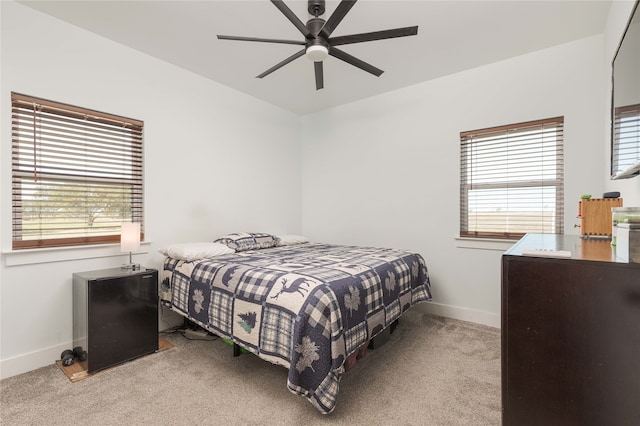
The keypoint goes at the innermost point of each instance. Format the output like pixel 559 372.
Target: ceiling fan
pixel 318 43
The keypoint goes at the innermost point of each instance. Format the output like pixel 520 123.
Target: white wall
pixel 385 171
pixel 617 20
pixel 216 161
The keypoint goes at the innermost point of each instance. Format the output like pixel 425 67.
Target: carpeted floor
pixel 433 371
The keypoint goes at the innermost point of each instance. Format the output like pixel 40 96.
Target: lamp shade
pixel 130 237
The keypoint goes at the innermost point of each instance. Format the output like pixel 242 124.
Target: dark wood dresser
pixel 570 335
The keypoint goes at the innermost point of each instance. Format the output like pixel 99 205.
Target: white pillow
pixel 288 240
pixel 195 251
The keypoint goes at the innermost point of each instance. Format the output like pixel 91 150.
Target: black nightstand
pixel 115 315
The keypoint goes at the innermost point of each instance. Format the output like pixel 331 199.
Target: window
pixel 626 141
pixel 76 174
pixel 512 180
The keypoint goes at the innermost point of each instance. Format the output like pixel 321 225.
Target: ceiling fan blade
pixel 376 35
pixel 264 40
pixel 344 56
pixel 293 18
pixel 336 17
pixel 319 75
pixel 281 64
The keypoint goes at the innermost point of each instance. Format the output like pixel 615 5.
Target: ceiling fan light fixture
pixel 317 53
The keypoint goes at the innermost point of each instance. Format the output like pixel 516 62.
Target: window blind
pixel 511 180
pixel 626 141
pixel 77 174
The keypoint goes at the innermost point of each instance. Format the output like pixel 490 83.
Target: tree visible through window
pixel 512 180
pixel 76 174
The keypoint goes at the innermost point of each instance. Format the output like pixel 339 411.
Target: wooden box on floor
pixel 78 370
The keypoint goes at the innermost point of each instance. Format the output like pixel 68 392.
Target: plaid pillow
pixel 241 241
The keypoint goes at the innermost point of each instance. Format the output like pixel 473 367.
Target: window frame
pixel 113 167
pixel 495 135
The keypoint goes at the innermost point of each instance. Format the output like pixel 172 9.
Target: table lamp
pixel 130 242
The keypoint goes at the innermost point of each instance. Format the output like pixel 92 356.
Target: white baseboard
pixel 31 361
pixel 463 314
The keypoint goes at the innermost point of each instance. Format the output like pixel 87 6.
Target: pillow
pixel 242 241
pixel 194 251
pixel 288 240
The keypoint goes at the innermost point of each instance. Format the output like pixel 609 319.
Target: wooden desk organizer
pixel 595 215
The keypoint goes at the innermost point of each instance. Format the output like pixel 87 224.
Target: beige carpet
pixel 433 371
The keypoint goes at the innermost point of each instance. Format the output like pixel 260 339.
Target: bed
pixel 304 306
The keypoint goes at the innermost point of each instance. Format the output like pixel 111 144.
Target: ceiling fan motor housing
pixel 317 48
pixel 315 26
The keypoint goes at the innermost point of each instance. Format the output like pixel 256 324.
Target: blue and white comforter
pixel 306 307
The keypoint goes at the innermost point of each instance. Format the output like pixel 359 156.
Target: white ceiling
pixel 453 36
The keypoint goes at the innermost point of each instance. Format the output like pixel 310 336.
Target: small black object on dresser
pixel 570 334
pixel 115 315
pixel 615 194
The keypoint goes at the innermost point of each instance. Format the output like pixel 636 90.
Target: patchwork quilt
pixel 306 307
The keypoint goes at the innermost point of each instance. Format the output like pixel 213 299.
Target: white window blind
pixel 512 180
pixel 626 141
pixel 76 174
